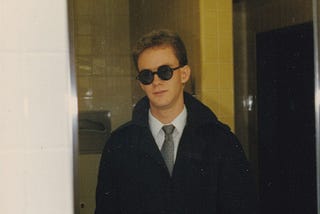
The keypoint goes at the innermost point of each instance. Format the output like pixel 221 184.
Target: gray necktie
pixel 167 149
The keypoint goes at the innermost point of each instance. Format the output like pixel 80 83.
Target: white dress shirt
pixel 158 134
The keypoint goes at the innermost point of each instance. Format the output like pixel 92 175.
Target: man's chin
pixel 160 105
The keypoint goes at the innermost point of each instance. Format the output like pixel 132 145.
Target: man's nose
pixel 156 79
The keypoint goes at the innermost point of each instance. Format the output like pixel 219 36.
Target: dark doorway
pixel 286 120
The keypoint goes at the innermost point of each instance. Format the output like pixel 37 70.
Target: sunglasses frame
pixel 157 72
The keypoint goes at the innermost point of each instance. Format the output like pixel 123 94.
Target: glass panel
pixel 104 79
pixel 104 31
pixel 107 89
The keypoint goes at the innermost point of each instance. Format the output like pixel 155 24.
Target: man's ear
pixel 185 73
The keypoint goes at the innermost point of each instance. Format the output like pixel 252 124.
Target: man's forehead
pixel 154 57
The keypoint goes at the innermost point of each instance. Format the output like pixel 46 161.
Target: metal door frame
pixel 316 27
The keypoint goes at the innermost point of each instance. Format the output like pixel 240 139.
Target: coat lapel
pixel 149 148
pixel 190 150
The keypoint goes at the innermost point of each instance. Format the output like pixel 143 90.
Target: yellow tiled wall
pixel 216 83
pixel 180 16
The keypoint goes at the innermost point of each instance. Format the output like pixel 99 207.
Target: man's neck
pixel 166 116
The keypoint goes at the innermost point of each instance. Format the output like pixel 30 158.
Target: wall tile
pixel 227 106
pixel 211 76
pixel 45 178
pixel 226 71
pixel 211 23
pixel 224 5
pixel 48 25
pixel 217 48
pixel 11 72
pixel 84 65
pixel 224 20
pixel 225 49
pixel 13 174
pixel 210 49
pixel 83 25
pixel 212 99
pixel 83 7
pixel 42 75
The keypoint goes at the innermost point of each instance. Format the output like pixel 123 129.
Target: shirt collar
pixel 179 122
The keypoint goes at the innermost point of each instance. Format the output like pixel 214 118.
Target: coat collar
pixel 198 113
pixel 147 146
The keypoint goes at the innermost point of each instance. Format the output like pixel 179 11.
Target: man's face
pixel 164 94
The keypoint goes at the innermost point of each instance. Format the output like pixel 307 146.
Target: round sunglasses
pixel 164 72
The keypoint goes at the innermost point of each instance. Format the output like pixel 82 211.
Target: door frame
pixel 316 27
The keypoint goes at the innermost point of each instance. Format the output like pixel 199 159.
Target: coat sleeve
pixel 237 189
pixel 106 191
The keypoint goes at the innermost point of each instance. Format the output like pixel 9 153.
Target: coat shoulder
pixel 125 135
pixel 221 137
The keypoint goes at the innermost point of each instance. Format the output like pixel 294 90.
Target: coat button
pixel 202 172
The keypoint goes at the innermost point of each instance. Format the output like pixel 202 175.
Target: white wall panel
pixel 36 108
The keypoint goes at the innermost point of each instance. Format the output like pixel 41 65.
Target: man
pixel 196 167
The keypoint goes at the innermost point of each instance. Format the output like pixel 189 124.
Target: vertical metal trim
pixel 74 106
pixel 317 94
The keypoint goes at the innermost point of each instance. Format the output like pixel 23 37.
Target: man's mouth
pixel 159 92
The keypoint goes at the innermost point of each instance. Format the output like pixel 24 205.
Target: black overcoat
pixel 211 173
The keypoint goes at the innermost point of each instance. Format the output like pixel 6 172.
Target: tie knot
pixel 168 129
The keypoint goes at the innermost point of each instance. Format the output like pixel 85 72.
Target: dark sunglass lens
pixel 165 72
pixel 145 77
